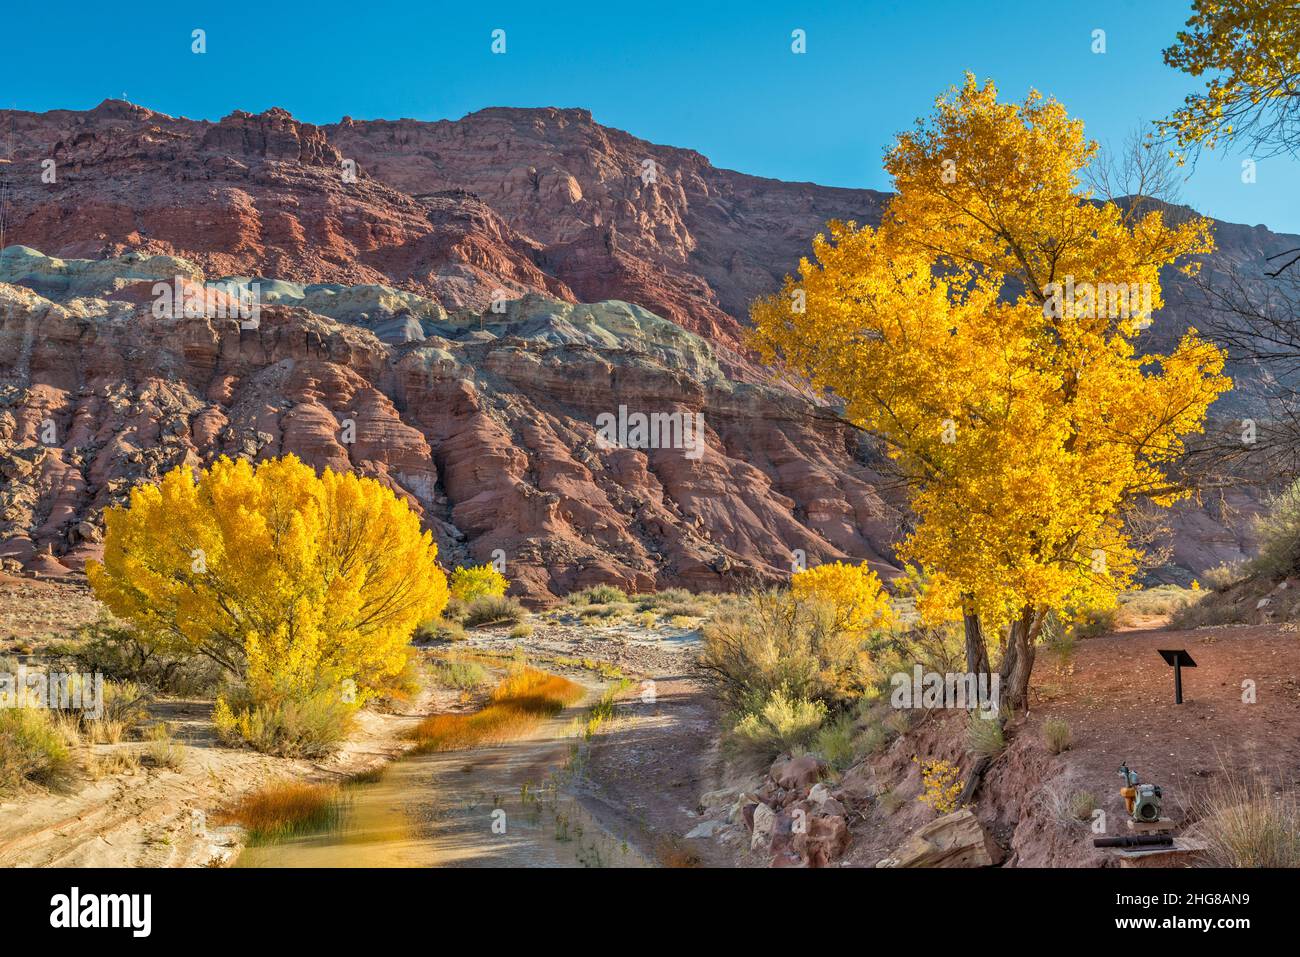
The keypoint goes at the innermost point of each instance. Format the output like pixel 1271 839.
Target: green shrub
pixel 597 595
pixel 463 675
pixel 32 749
pixel 940 649
pixel 874 739
pixel 456 610
pixel 116 652
pixel 900 721
pixel 617 609
pixel 1056 735
pixel 521 631
pixel 493 610
pixel 1224 576
pixel 1155 602
pixel 1061 642
pixel 836 742
pixel 781 723
pixel 659 599
pixel 440 630
pixel 310 727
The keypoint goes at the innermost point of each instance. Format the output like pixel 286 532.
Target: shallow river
pixel 487 807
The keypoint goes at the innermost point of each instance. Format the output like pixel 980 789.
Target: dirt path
pixel 1119 703
pixel 644 773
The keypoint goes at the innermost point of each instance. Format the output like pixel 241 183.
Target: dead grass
pixel 1245 823
pixel 121 760
pixel 163 750
pixel 516 706
pixel 284 810
pixel 1056 735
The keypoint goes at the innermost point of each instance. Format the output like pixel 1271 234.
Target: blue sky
pixel 716 77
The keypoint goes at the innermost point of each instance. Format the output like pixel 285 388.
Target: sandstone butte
pixel 379 248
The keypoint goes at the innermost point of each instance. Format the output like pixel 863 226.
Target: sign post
pixel 1178 659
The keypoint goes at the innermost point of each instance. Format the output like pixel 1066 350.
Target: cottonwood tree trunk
pixel 977 649
pixel 1018 660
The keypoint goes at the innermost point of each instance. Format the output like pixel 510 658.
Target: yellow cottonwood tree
pixel 987 333
pixel 1249 50
pixel 287 579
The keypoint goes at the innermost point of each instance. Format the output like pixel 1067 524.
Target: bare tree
pixel 1135 174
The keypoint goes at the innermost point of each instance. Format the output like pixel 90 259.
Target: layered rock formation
pixel 487 425
pixel 379 250
pixel 618 216
pixel 254 194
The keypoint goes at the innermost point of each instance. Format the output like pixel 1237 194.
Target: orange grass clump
pixel 283 810
pixel 517 705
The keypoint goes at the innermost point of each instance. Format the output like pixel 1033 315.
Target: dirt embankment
pixel 1240 716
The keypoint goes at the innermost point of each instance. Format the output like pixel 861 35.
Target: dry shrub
pixel 1068 807
pixel 773 642
pixel 125 760
pixel 33 750
pixel 1082 804
pixel 162 750
pixel 517 705
pixel 284 810
pixel 125 708
pixel 493 610
pixel 672 851
pixel 890 800
pixel 1245 823
pixel 1056 735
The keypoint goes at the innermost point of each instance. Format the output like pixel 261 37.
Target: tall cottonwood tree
pixel 1249 52
pixel 987 333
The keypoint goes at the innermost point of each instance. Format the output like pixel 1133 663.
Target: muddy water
pixel 501 806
